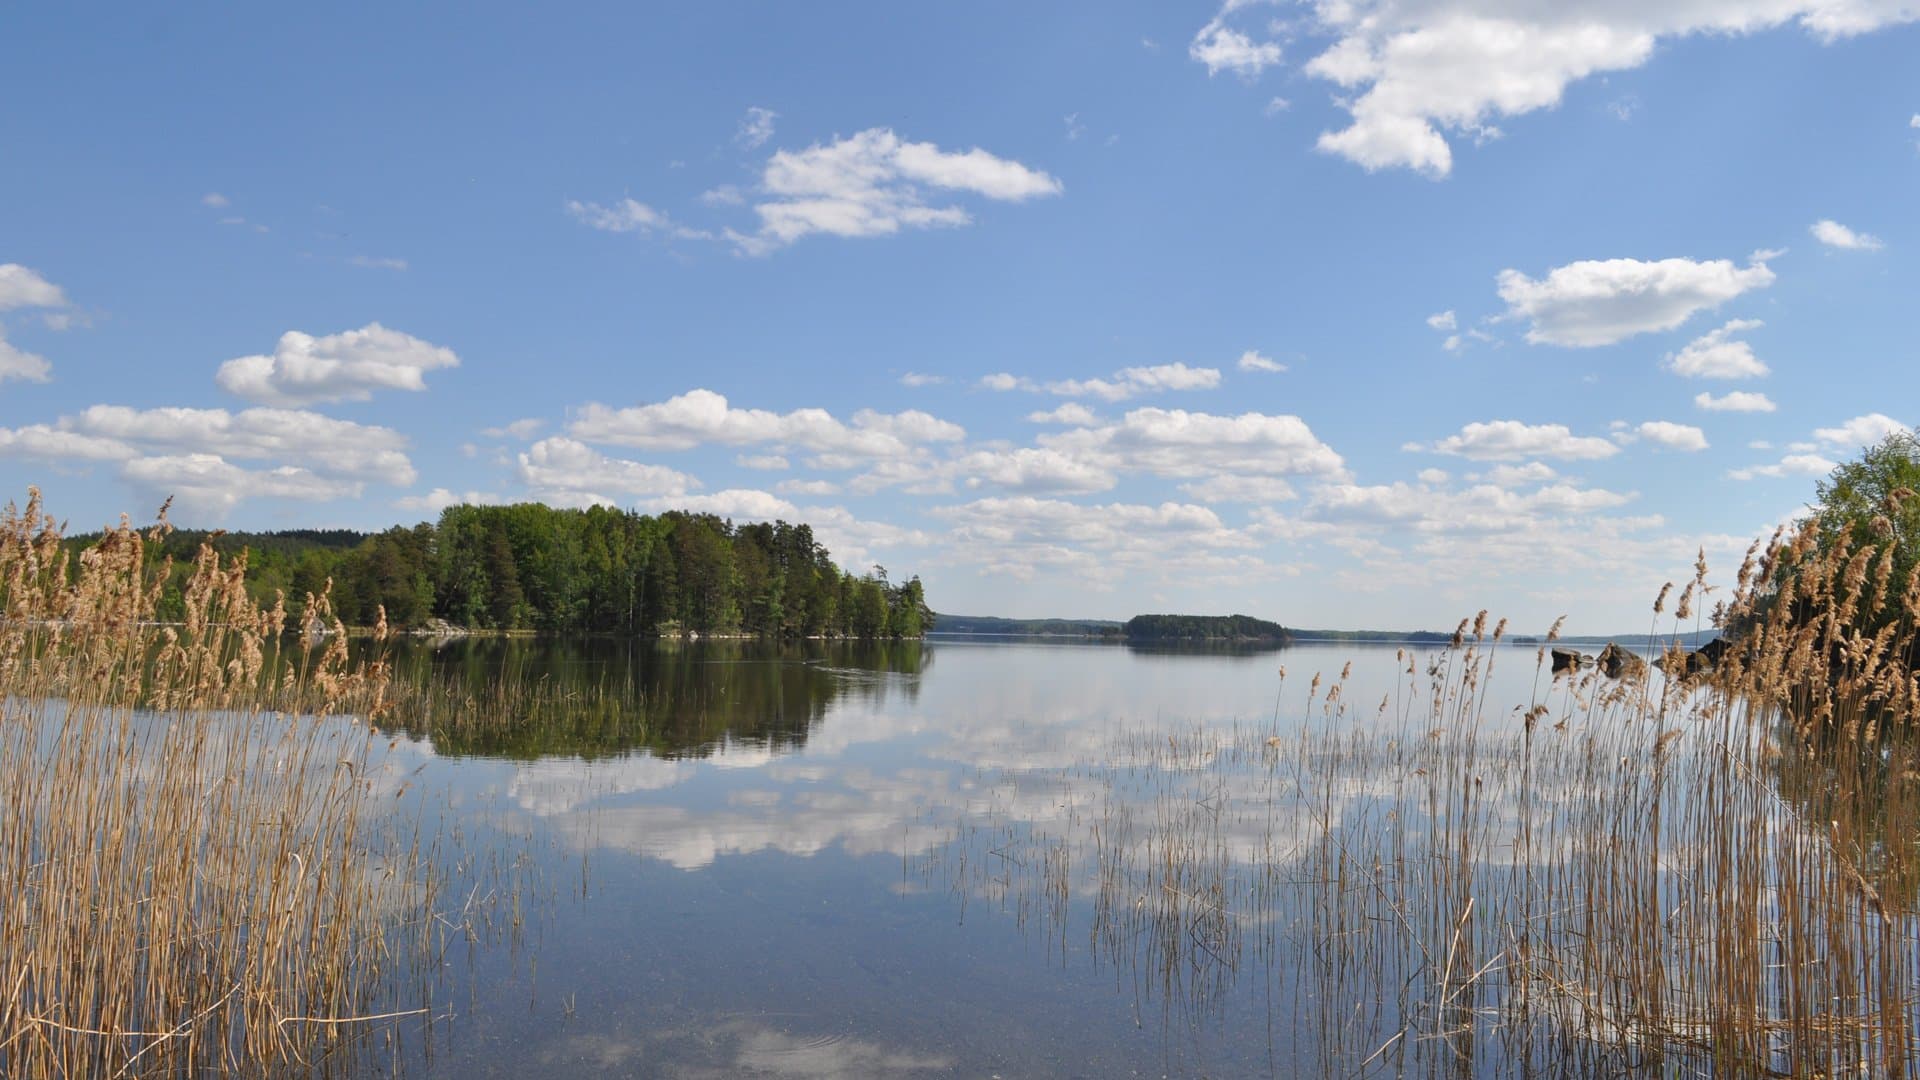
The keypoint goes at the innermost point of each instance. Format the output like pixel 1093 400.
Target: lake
pixel 981 858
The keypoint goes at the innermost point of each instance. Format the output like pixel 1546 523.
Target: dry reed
pixel 192 875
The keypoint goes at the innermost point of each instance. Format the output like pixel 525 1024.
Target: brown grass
pixel 192 872
pixel 1711 875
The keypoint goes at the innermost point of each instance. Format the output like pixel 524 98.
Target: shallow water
pixel 947 858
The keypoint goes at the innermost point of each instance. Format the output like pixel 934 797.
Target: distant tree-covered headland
pixel 536 568
pixel 1204 628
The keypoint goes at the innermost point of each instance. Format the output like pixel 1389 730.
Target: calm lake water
pixel 950 858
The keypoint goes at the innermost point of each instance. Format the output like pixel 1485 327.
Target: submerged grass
pixel 193 872
pixel 1712 874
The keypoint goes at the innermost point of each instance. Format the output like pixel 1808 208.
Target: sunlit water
pixel 951 858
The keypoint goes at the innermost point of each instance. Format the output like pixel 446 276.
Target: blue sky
pixel 1343 313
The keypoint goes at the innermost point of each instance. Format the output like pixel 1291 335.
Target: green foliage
pixel 1204 628
pixel 533 567
pixel 1871 503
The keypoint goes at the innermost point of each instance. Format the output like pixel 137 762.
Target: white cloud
pixel 1035 470
pixel 1834 234
pixel 348 366
pixel 1178 443
pixel 43 443
pixel 1254 489
pixel 1253 361
pixel 1860 431
pixel 771 462
pixel 1484 508
pixel 210 484
pixel 1412 75
pixel 1024 537
pixel 1511 440
pixel 326 445
pixel 1277 106
pixel 1443 321
pixel 1509 476
pixel 1071 412
pixel 21 287
pixel 915 378
pixel 1123 384
pixel 1672 436
pixel 569 473
pixel 1736 401
pixel 807 487
pixel 525 428
pixel 1223 48
pixel 724 195
pixel 1802 464
pixel 215 200
pixel 627 215
pixel 702 416
pixel 744 503
pixel 17 363
pixel 371 262
pixel 1134 381
pixel 1600 302
pixel 875 184
pixel 756 127
pixel 1715 355
pixel 440 498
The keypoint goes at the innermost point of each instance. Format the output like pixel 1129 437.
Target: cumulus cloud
pixel 210 484
pixel 1672 436
pixel 1860 431
pixel 21 287
pixel 1071 412
pixel 525 428
pixel 1485 508
pixel 1022 536
pixel 1249 489
pixel 1834 234
pixel 1253 361
pixel 876 184
pixel 1600 302
pixel 756 127
pixel 569 473
pixel 350 366
pixel 1035 470
pixel 1178 443
pixel 323 444
pixel 1512 440
pixel 18 363
pixel 440 498
pixel 1222 48
pixel 39 442
pixel 916 378
pixel 1443 321
pixel 1716 355
pixel 1801 464
pixel 770 462
pixel 1123 384
pixel 1736 401
pixel 702 417
pixel 1412 76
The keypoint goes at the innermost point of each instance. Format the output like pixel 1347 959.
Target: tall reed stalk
pixel 192 874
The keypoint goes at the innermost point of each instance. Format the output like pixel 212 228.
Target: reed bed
pixel 195 874
pixel 1711 873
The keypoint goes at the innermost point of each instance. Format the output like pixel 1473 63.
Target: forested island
pixel 531 567
pixel 1205 628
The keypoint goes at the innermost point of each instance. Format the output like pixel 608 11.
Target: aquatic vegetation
pixel 1713 873
pixel 195 869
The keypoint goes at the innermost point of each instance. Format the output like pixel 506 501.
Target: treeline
pixel 533 567
pixel 1204 628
